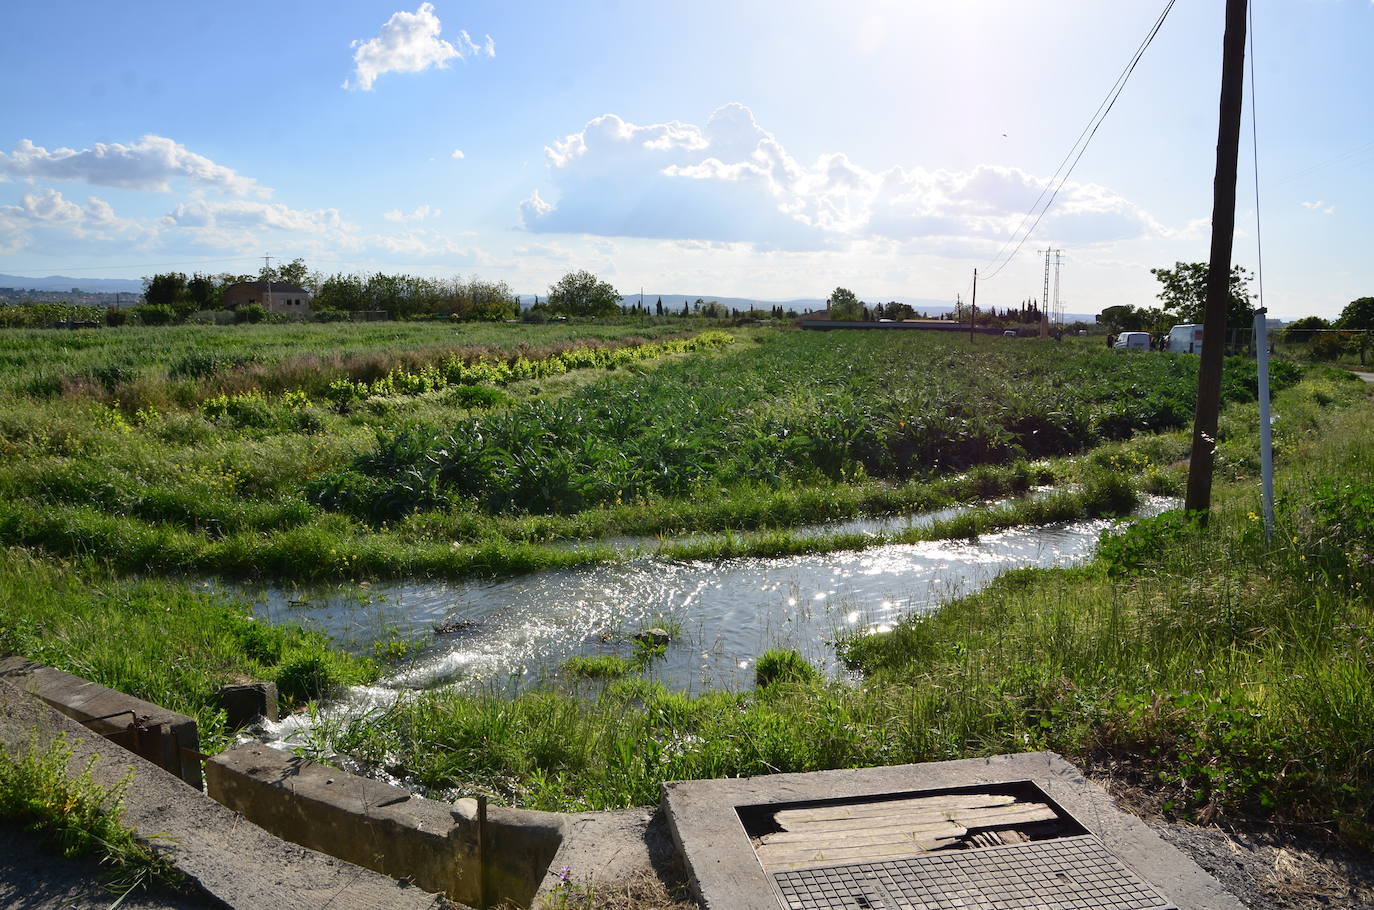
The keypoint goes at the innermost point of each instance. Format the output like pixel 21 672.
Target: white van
pixel 1185 339
pixel 1132 341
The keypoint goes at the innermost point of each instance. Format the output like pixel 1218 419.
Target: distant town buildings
pixel 74 297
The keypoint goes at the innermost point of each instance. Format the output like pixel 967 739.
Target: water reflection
pixel 517 632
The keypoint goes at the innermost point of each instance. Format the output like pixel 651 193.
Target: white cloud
pixel 201 214
pixel 49 210
pixel 410 43
pixel 458 153
pixel 1318 205
pixel 150 164
pixel 733 181
pixel 420 214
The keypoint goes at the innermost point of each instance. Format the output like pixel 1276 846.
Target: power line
pixel 1343 156
pixel 1080 145
pixel 1254 149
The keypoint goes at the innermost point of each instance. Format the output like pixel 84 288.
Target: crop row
pixel 796 408
pixel 456 370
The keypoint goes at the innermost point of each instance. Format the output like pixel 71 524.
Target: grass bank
pixel 430 469
pixel 1231 673
pixel 170 643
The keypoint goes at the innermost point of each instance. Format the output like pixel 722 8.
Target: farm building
pixel 275 296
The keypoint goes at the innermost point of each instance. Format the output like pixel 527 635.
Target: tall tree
pixel 170 289
pixel 202 291
pixel 845 306
pixel 583 294
pixel 1183 293
pixel 1358 314
pixel 294 272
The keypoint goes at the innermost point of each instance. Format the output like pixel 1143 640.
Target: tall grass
pixel 170 643
pixel 781 430
pixel 39 791
pixel 1233 673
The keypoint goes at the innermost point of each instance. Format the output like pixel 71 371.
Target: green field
pixel 1230 672
pixel 1221 673
pixel 336 452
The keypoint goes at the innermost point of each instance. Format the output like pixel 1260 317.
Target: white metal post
pixel 1266 437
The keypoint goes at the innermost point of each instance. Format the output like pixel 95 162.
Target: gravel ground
pixel 1267 870
pixel 35 876
pixel 1266 866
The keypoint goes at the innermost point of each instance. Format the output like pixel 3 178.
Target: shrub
pixel 1326 347
pixel 783 665
pixel 154 314
pixel 252 312
pixel 306 678
pixel 1126 550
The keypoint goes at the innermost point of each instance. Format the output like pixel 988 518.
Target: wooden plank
pixel 865 835
pixel 1021 814
pixel 797 858
pixel 920 804
pixel 817 833
pixel 996 816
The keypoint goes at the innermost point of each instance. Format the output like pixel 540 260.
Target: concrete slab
pixel 726 875
pixel 388 829
pixel 173 743
pixel 229 862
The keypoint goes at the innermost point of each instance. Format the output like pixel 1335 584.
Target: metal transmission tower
pixel 1058 310
pixel 1045 297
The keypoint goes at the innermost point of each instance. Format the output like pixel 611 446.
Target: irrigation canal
pixel 515 633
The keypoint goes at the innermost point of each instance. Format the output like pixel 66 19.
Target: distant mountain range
pixel 65 283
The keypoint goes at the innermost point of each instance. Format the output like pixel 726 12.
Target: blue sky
pixel 750 148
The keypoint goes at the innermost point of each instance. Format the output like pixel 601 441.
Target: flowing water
pixel 515 633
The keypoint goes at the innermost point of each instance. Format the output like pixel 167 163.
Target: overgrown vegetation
pixel 165 641
pixel 1230 673
pixel 39 791
pixel 396 455
pixel 1230 670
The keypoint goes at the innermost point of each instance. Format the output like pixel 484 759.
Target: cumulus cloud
pixel 410 43
pixel 150 164
pixel 733 181
pixel 244 214
pixel 420 214
pixel 48 209
pixel 457 153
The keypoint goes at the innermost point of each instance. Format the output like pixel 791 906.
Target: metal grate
pixel 1068 873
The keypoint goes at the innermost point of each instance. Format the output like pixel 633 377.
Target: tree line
pixel 1183 300
pixel 340 295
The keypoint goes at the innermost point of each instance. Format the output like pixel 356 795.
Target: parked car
pixel 1185 339
pixel 1132 341
pixel 1009 333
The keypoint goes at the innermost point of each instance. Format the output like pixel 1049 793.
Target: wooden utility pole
pixel 973 306
pixel 1199 496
